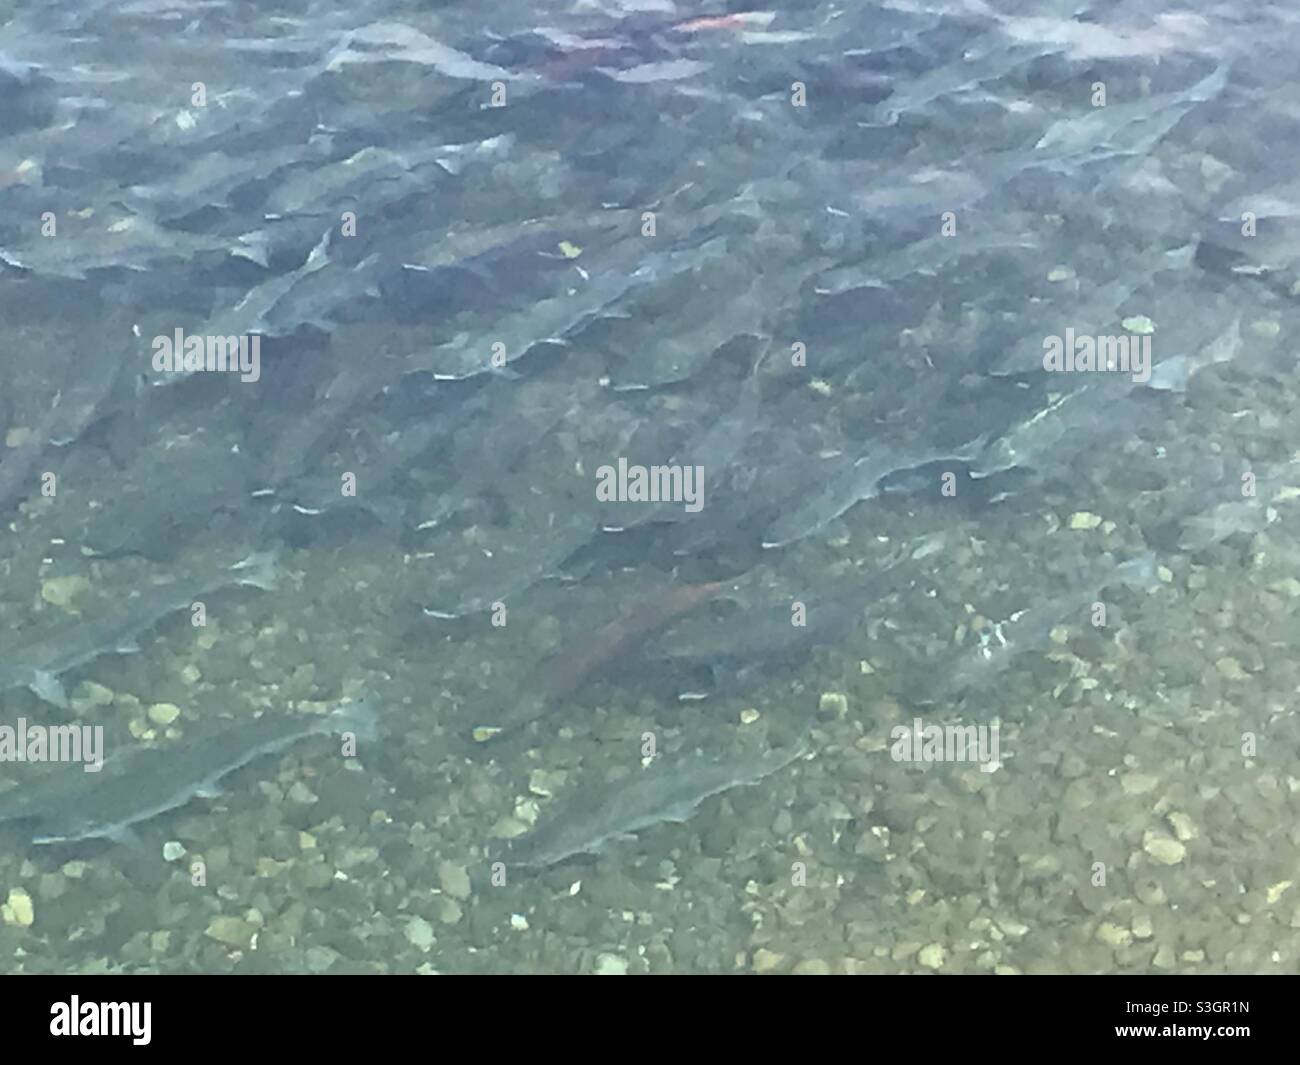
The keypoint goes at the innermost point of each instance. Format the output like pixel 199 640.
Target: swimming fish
pixel 670 789
pixel 142 783
pixel 39 664
pixel 563 673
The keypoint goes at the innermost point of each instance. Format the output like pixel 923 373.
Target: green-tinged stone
pixel 1164 849
pixel 61 591
pixel 18 909
pixel 454 880
pixel 233 931
pixel 932 956
pixel 419 933
pixel 163 713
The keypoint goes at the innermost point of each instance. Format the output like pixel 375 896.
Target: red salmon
pixel 567 670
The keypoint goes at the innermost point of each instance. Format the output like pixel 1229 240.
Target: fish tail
pixel 320 253
pixel 361 717
pixel 259 569
pixel 1141 571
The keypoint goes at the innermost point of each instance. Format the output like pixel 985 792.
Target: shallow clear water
pixel 830 276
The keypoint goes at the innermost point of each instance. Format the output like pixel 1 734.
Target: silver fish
pixel 39 664
pixel 1122 129
pixel 859 480
pixel 249 315
pixel 1030 630
pixel 670 789
pixel 142 783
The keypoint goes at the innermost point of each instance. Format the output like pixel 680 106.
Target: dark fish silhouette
pixel 566 671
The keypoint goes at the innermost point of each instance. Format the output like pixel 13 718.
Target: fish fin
pixel 366 265
pixel 389 512
pixel 1140 571
pixel 973 449
pixel 126 836
pixel 259 569
pixel 319 254
pixel 360 717
pixel 1170 376
pixel 681 812
pixel 836 529
pixel 47 686
pixel 253 246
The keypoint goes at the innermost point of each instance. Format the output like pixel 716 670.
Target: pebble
pixel 610 965
pixel 1164 849
pixel 932 956
pixel 18 909
pixel 269 867
pixel 1140 324
pixel 835 703
pixel 172 850
pixel 544 782
pixel 299 792
pixel 419 933
pixel 354 856
pixel 1114 935
pixel 1274 891
pixel 766 960
pixel 812 967
pixel 95 694
pixel 1184 827
pixel 1229 667
pixel 61 591
pixel 1138 783
pixel 1082 519
pixel 233 931
pixel 319 958
pixel 903 951
pixel 52 886
pixel 508 828
pixel 163 713
pixel 454 880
